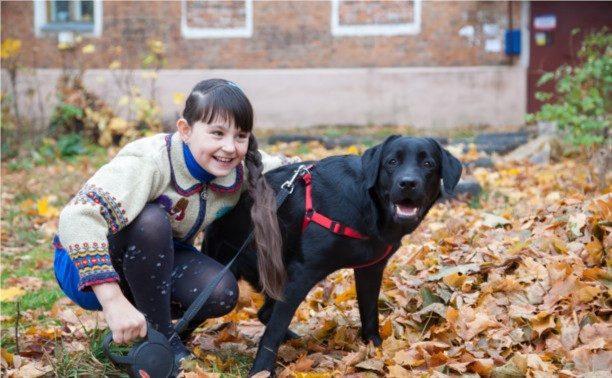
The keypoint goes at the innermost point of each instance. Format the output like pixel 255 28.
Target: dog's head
pixel 404 174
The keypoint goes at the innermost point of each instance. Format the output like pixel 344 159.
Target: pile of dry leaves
pixel 514 283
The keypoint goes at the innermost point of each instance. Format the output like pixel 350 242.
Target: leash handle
pixel 118 359
pixel 194 308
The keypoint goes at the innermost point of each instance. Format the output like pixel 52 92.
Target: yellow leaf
pixel 346 295
pixel 472 151
pixel 156 46
pixel 27 206
pixel 45 210
pixel 455 280
pixel 397 371
pixel 11 293
pixel 179 98
pixel 115 65
pixel 386 329
pixel 10 47
pixel 123 101
pixel 315 375
pixel 7 356
pixel 150 75
pixel 64 46
pixel 587 293
pixel 352 150
pixel 408 358
pixel 88 49
pixel 595 252
pixel 514 171
pixel 543 321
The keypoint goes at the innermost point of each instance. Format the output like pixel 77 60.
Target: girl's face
pixel 218 147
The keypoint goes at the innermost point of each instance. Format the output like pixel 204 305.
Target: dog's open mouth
pixel 406 209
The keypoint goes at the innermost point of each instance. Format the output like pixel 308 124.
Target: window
pixel 81 16
pixel 217 19
pixel 370 18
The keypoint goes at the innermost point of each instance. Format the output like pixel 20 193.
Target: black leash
pixel 194 308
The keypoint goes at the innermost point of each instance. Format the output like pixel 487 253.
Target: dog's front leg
pixel 296 288
pixel 367 285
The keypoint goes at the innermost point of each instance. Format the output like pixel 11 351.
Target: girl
pixel 125 240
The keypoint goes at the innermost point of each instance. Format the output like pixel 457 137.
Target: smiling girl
pixel 125 242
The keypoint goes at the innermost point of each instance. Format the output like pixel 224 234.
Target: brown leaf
pixel 303 363
pixel 408 358
pixel 354 358
pixel 590 332
pixel 374 364
pixel 397 371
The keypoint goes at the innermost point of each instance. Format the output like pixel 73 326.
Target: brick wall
pixel 285 34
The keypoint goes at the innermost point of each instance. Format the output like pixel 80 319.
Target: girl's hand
pixel 124 320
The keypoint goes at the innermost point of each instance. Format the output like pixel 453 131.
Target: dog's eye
pixel 428 164
pixel 392 162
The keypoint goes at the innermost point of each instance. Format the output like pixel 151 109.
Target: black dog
pixel 372 202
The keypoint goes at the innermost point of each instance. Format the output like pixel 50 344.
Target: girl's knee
pixel 152 221
pixel 224 298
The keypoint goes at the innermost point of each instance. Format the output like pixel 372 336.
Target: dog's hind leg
pixel 264 314
pixel 367 284
pixel 295 291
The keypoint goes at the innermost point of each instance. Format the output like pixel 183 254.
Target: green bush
pixel 582 101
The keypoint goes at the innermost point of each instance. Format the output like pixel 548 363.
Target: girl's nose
pixel 228 145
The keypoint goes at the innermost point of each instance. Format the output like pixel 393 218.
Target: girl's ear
pixel 184 130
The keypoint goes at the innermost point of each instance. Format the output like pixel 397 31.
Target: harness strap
pixel 381 258
pixel 311 215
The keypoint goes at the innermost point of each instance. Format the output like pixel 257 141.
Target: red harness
pixel 312 215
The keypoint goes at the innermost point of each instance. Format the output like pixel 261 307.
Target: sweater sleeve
pixel 108 202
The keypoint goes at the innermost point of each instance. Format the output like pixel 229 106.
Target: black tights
pixel 162 280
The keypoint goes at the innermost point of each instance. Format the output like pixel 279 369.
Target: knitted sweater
pixel 148 170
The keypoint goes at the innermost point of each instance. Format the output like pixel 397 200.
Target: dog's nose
pixel 409 183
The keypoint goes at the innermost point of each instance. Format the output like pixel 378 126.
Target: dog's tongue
pixel 406 211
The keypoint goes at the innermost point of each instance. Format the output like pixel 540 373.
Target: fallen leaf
pixel 303 363
pixel 11 293
pixel 397 371
pixel 374 364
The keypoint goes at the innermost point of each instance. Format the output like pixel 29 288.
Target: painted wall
pixel 434 98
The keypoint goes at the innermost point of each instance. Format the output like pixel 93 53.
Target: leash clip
pixel 288 185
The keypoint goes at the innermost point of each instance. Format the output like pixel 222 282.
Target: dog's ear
pixel 451 170
pixel 371 159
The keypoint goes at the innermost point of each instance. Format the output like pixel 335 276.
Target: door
pixel 551 43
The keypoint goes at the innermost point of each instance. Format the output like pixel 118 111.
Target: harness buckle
pixel 340 228
pixel 288 185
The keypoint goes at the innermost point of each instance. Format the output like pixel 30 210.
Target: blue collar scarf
pixel 194 168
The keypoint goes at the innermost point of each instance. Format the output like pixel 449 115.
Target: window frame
pixel 194 32
pixel 43 26
pixel 338 30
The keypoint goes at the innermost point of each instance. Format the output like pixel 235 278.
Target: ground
pixel 514 282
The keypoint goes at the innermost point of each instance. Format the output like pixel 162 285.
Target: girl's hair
pixel 218 98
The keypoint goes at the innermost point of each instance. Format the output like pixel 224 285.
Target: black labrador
pixel 379 197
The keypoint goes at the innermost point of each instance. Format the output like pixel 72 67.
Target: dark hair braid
pixel 267 231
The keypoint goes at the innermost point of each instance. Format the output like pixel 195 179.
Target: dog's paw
pixel 290 335
pixel 375 339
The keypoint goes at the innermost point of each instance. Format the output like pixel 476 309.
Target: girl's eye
pixel 428 164
pixel 392 162
pixel 242 136
pixel 217 133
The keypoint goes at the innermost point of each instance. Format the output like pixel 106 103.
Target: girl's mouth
pixel 223 160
